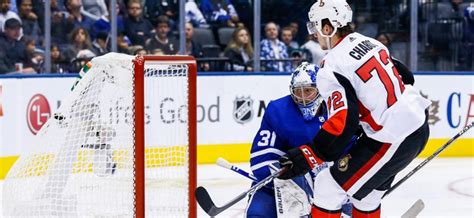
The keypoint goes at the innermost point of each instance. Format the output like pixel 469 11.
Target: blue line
pixel 420 73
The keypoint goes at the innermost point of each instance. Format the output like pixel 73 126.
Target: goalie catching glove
pixel 298 161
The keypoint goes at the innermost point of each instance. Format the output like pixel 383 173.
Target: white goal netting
pixel 83 162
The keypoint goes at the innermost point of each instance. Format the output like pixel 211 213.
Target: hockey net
pixel 89 160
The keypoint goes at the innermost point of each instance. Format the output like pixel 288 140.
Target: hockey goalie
pixel 288 122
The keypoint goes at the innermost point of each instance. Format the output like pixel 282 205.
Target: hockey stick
pixel 224 163
pixel 414 210
pixel 207 204
pixel 465 129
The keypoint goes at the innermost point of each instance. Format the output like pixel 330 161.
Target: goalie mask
pixel 304 91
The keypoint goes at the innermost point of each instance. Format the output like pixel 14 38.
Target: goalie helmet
pixel 338 12
pixel 304 91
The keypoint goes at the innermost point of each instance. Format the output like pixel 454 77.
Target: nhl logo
pixel 243 111
pixel 343 163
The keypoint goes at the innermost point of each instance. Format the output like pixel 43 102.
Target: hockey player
pixel 287 123
pixel 360 85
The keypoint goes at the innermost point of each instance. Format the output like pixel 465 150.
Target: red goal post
pixel 139 65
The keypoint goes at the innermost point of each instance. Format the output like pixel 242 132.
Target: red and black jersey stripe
pixel 338 130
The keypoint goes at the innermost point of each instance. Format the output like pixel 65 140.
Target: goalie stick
pixel 224 163
pixel 437 152
pixel 207 204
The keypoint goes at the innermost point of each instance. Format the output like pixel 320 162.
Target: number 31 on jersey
pixel 267 138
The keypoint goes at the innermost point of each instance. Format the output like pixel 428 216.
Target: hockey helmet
pixel 338 12
pixel 304 91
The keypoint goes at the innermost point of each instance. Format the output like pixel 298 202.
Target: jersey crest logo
pixel 322 119
pixel 343 163
pixel 243 109
pixel 321 3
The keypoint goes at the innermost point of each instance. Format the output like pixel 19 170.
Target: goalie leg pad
pixel 261 204
pixel 293 197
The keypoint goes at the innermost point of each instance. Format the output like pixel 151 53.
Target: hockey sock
pixel 365 214
pixel 317 212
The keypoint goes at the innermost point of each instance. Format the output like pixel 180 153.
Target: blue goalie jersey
pixel 283 127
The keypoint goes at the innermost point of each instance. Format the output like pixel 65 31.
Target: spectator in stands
pixel 123 44
pixel 384 38
pixel 6 13
pixel 34 56
pixel 244 9
pixel 220 12
pixel 157 51
pixel 295 30
pixel 156 8
pixel 76 18
pixel 160 40
pixel 29 20
pixel 468 38
pixel 13 6
pixel 273 49
pixel 30 45
pixel 103 23
pixel 287 38
pixel 240 50
pixel 456 9
pixel 13 53
pixel 137 28
pixel 39 9
pixel 194 15
pixel 192 48
pixel 140 52
pixel 317 53
pixel 80 46
pixel 94 9
pixel 58 62
pixel 99 45
pixel 58 24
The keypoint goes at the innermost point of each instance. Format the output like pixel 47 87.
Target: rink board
pixel 229 112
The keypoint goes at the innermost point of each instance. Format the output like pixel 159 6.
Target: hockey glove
pixel 298 161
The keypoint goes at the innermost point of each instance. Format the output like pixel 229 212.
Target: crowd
pixel 220 29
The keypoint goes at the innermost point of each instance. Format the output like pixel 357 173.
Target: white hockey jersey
pixel 359 75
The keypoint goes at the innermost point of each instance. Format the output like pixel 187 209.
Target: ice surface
pixel 445 185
